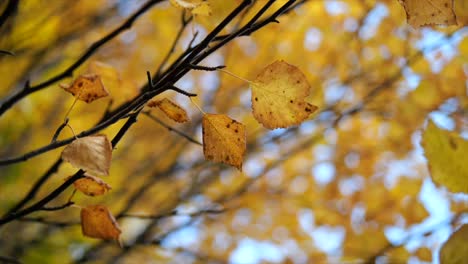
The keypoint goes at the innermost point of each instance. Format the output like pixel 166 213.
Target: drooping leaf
pixel 171 109
pixel 92 186
pixel 455 249
pixel 92 154
pixel 278 96
pixel 429 12
pixel 446 154
pixel 98 222
pixel 224 139
pixel 87 88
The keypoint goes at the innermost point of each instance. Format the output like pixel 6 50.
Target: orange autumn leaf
pixel 87 88
pixel 429 12
pixel 224 139
pixel 278 96
pixel 92 186
pixel 98 222
pixel 171 109
pixel 92 154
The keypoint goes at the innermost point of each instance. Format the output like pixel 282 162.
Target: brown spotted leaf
pixel 429 12
pixel 171 109
pixel 92 186
pixel 92 154
pixel 87 88
pixel 224 139
pixel 278 96
pixel 98 222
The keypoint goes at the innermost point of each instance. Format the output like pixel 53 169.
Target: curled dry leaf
pixel 446 154
pixel 98 222
pixel 87 88
pixel 278 96
pixel 429 12
pixel 224 139
pixel 92 186
pixel 171 109
pixel 455 249
pixel 92 154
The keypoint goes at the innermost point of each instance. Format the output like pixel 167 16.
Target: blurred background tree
pixel 349 185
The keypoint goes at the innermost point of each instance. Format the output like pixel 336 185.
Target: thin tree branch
pixel 180 133
pixel 59 129
pixel 10 9
pixel 205 68
pixel 57 208
pixel 6 52
pixel 9 260
pixel 27 90
pixel 37 185
pixel 184 24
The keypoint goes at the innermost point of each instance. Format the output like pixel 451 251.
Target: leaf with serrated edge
pixel 87 88
pixel 92 154
pixel 92 186
pixel 98 222
pixel 455 249
pixel 224 139
pixel 446 154
pixel 278 96
pixel 171 109
pixel 429 12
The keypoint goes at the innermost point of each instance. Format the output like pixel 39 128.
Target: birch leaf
pixel 224 139
pixel 171 109
pixel 92 186
pixel 92 154
pixel 429 12
pixel 278 96
pixel 446 154
pixel 87 88
pixel 98 222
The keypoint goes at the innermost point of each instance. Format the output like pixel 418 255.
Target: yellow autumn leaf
pixel 92 154
pixel 92 186
pixel 455 249
pixel 171 109
pixel 446 154
pixel 87 88
pixel 278 96
pixel 429 12
pixel 98 222
pixel 224 139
